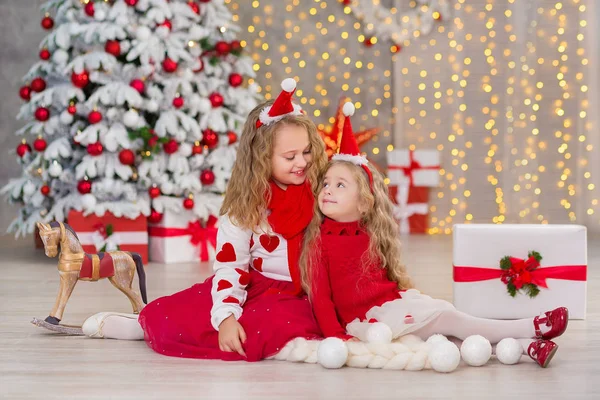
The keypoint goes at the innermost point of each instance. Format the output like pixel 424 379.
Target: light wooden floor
pixel 38 365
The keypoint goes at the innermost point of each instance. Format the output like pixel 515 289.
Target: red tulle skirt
pixel 179 325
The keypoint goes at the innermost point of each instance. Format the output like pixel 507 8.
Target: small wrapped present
pixel 180 237
pixel 519 271
pixel 410 208
pixel 414 167
pixel 110 233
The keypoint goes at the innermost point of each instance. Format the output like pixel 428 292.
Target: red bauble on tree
pixel 178 102
pixel 232 137
pixel 222 48
pixel 197 148
pixel 23 149
pixel 38 85
pixel 154 192
pixel 188 203
pixel 138 85
pixel 155 217
pixel 169 65
pixel 235 80
pixel 42 114
pixel 207 177
pixel 210 138
pixel 94 117
pixel 44 54
pixel 45 190
pixel 84 187
pixel 113 47
pixel 80 80
pixel 171 146
pixel 216 100
pixel 25 93
pixel 127 157
pixel 40 144
pixel 47 22
pixel 89 8
pixel 167 23
pixel 72 109
pixel 95 149
pixel 195 7
pixel 131 3
pixel 236 46
pixel 369 41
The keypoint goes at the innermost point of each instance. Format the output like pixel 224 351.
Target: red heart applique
pixel 244 277
pixel 227 253
pixel 232 300
pixel 257 264
pixel 270 243
pixel 224 285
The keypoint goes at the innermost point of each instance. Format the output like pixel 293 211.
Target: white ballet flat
pixel 92 327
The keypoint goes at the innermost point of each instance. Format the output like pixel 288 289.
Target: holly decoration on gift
pixel 517 274
pixel 106 232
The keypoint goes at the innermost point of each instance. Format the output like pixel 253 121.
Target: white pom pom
pixel 435 339
pixel 185 149
pixel 151 106
pixel 288 84
pixel 509 351
pixel 131 118
pixel 28 188
pixel 55 170
pixel 60 57
pixel 66 118
pixel 99 15
pixel 166 188
pixel 444 356
pixel 204 105
pixel 88 201
pixel 476 350
pixel 332 353
pixel 348 109
pixel 379 332
pixel 143 33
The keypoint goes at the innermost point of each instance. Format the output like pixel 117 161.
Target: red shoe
pixel 556 319
pixel 542 351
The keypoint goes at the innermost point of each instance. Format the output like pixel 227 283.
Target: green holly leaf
pixel 205 44
pixel 512 290
pixel 109 230
pixel 531 290
pixel 505 263
pixel 535 255
pixel 214 61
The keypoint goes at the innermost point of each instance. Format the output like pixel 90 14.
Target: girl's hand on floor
pixel 232 336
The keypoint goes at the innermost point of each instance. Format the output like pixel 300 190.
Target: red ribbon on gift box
pixel 412 166
pixel 538 276
pixel 202 236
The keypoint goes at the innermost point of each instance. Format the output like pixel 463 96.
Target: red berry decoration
pixel 94 117
pixel 80 80
pixel 169 65
pixel 95 149
pixel 216 100
pixel 178 102
pixel 25 93
pixel 84 187
pixel 45 190
pixel 127 157
pixel 171 146
pixel 168 24
pixel 42 114
pixel 38 85
pixel 235 80
pixel 131 3
pixel 113 47
pixel 89 8
pixel 23 149
pixel 72 109
pixel 155 217
pixel 207 177
pixel 195 7
pixel 154 192
pixel 40 144
pixel 188 203
pixel 47 22
pixel 232 137
pixel 210 138
pixel 222 48
pixel 138 85
pixel 197 148
pixel 44 54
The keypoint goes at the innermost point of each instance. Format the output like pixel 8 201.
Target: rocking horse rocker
pixel 73 265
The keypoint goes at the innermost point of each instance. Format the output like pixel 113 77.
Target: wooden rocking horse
pixel 73 265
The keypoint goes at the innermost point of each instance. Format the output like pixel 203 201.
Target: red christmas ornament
pixel 38 85
pixel 171 146
pixel 80 80
pixel 127 157
pixel 197 148
pixel 346 2
pixel 167 23
pixel 216 99
pixel 232 137
pixel 89 8
pixel 210 138
pixel 47 22
pixel 113 47
pixel 42 114
pixel 188 203
pixel 40 144
pixel 94 117
pixel 369 42
pixel 155 217
pixel 236 45
pixel 201 68
pixel 195 7
pixel 138 85
pixel 131 3
pixel 154 192
pixel 25 93
pixel 178 102
pixel 396 48
pixel 207 177
pixel 222 48
pixel 84 187
pixel 44 54
pixel 235 80
pixel 23 149
pixel 169 65
pixel 72 109
pixel 45 190
pixel 95 149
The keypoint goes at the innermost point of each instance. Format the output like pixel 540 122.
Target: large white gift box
pixel 180 237
pixel 483 289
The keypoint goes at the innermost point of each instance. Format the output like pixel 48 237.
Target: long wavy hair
pixel 248 191
pixel 378 222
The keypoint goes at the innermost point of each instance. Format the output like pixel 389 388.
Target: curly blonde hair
pixel 382 228
pixel 248 191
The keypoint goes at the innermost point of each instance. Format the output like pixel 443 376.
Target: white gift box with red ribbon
pixel 414 167
pixel 403 209
pixel 181 237
pixel 482 288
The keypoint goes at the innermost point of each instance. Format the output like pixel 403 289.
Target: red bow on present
pixel 412 166
pixel 200 235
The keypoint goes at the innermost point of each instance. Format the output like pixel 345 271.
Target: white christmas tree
pixel 136 106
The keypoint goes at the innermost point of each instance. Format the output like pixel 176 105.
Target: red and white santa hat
pixel 348 150
pixel 282 106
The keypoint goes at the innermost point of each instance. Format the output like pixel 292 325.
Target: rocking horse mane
pixel 55 224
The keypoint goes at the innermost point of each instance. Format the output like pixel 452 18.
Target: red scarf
pixel 291 212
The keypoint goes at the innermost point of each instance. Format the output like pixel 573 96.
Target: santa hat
pixel 348 149
pixel 282 106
